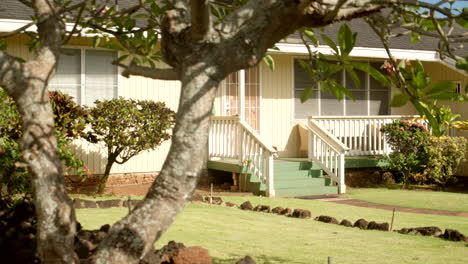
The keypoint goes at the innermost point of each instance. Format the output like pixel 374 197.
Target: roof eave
pixel 367 52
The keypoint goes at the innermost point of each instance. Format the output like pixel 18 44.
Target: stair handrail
pixel 257 156
pixel 249 149
pixel 326 136
pixel 256 136
pixel 330 157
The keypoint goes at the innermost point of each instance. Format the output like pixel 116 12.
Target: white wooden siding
pixel 277 106
pixel 93 155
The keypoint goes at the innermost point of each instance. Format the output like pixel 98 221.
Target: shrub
pixel 14 177
pixel 444 156
pixel 128 127
pixel 407 139
pixel 70 121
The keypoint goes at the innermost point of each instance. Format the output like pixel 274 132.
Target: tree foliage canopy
pixel 127 127
pixel 194 38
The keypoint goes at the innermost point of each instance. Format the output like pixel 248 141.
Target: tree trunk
pixel 133 236
pixel 103 180
pixel 56 217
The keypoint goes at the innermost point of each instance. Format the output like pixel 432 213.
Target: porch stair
pixel 300 178
pixel 293 177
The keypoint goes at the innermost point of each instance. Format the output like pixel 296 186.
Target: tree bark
pixel 56 217
pixel 103 180
pixel 129 239
pixel 27 84
pixel 240 41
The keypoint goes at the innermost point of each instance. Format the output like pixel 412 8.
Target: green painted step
pixel 301 183
pixel 288 165
pixel 290 192
pixel 298 174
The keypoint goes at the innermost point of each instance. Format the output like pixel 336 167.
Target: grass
pixel 411 198
pixel 230 234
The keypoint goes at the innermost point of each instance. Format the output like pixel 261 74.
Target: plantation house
pixel 260 129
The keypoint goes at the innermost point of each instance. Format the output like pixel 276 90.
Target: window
pixel 231 86
pixel 87 75
pixel 370 99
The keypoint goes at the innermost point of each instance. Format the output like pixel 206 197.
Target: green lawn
pixel 412 198
pixel 230 234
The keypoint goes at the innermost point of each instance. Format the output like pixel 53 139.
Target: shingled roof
pixel 13 9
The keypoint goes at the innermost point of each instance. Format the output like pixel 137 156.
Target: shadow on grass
pixel 232 259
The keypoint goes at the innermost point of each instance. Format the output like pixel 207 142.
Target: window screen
pixel 86 75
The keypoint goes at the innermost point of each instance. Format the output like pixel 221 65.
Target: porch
pixel 333 144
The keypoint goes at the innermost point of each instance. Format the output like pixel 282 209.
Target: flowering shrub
pixel 407 139
pixel 406 136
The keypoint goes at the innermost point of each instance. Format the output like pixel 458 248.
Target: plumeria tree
pixel 193 38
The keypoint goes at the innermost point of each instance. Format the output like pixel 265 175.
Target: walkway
pixel 361 203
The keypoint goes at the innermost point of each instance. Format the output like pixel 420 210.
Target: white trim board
pixel 365 52
pixel 9 25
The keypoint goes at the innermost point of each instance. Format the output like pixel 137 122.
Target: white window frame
pixel 117 88
pixel 319 92
pixel 241 96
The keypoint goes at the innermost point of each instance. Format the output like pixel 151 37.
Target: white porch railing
pixel 328 152
pixel 232 138
pixel 361 134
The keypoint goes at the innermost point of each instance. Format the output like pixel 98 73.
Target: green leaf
pixel 310 34
pixel 269 61
pixel 96 41
pixel 402 64
pixel 306 94
pixel 462 21
pixel 121 58
pixel 415 37
pixel 330 43
pixel 399 100
pixel 448 96
pixel 346 39
pixel 462 64
pixel 335 88
pixel 19 59
pixel 421 80
pixel 374 73
pixel 441 87
pixel 354 77
pixel 3 44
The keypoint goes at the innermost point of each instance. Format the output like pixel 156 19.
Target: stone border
pixel 81 203
pixel 449 234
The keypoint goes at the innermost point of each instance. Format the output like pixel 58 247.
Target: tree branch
pixel 10 70
pixel 19 30
pixel 201 23
pixel 169 74
pixel 415 3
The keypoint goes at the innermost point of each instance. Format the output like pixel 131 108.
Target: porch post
pixel 242 95
pixel 270 176
pixel 341 171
